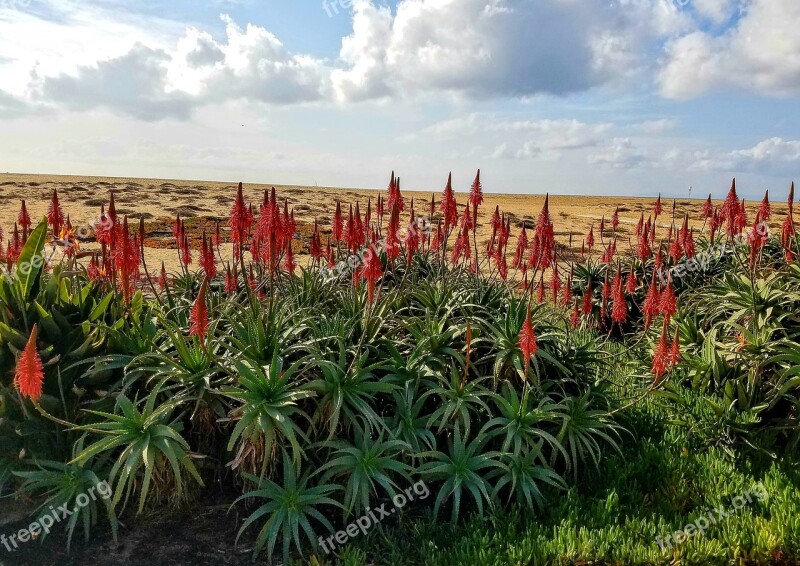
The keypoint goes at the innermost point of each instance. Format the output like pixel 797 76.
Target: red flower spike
pixel 652 303
pixel 575 316
pixel 29 375
pixel 527 340
pixel 371 270
pixel 163 280
pixel 502 266
pixel 198 318
pixel 619 310
pixel 731 206
pixel 338 224
pixel 207 259
pixel 588 299
pixel 329 254
pixel 315 247
pixel 24 219
pixel 240 221
pixel 765 210
pixel 112 209
pixel 661 354
pixel 631 283
pixel 540 291
pixel 555 284
pixel 675 350
pixel 496 218
pixel 231 282
pixel 545 237
pixel 55 214
pixel 657 208
pixel 476 196
pixel 350 235
pixel 289 262
pixel 708 208
pixel 668 302
pixel 689 247
pixel 566 296
pixel 522 245
pixel 449 207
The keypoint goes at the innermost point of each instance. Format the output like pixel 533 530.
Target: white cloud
pixel 132 84
pixel 486 48
pixel 620 153
pixel 153 84
pixel 774 156
pixel 59 36
pixel 771 155
pixel 760 54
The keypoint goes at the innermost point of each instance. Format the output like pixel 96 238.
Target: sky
pixel 605 97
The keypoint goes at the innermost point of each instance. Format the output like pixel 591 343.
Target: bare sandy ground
pixel 155 199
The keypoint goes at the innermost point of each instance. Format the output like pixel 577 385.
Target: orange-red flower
pixel 24 218
pixel 668 301
pixel 29 377
pixel 55 214
pixel 240 221
pixel 657 208
pixel 527 340
pixel 476 197
pixel 662 354
pixel 198 318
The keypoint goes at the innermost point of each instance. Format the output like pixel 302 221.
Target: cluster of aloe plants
pixel 321 390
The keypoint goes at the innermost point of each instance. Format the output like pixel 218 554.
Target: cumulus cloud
pixel 761 54
pixel 132 85
pixel 773 155
pixel 486 48
pixel 153 84
pixel 619 153
pixel 776 157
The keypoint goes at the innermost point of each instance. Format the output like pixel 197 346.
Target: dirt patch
pixel 201 535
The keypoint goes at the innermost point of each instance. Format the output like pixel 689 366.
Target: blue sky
pixel 567 96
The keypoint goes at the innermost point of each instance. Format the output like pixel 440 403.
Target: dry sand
pixel 159 200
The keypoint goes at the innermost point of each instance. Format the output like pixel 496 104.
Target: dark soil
pixel 200 535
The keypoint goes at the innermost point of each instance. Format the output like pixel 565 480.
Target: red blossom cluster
pixel 394 236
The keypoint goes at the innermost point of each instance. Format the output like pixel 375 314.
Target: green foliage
pixel 148 439
pixel 313 399
pixel 288 508
pixel 74 487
